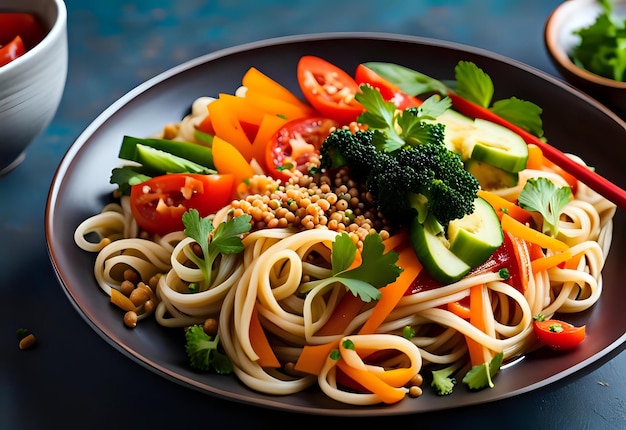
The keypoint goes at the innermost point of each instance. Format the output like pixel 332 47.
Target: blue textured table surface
pixel 76 379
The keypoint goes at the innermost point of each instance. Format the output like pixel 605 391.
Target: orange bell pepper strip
pixel 257 81
pixel 393 292
pixel 227 159
pixel 228 127
pixel 535 157
pixel 260 343
pixel 268 126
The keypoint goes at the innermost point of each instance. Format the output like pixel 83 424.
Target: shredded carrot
pixel 313 357
pixel 392 293
pixel 260 344
pixel 503 206
pixel 531 235
pixel 375 385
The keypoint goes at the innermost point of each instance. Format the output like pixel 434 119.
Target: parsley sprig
pixel 376 270
pixel 226 239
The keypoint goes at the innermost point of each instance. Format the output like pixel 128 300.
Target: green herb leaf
pixel 226 239
pixel 127 176
pixel 481 376
pixel 410 81
pixel 522 113
pixel 473 83
pixel 543 196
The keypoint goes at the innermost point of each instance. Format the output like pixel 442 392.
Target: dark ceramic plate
pixel 573 123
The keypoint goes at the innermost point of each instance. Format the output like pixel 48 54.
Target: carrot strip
pixel 392 293
pixel 313 357
pixel 545 263
pixel 395 377
pixel 531 235
pixel 476 350
pixel 459 310
pixel 371 382
pixel 502 206
pixel 260 343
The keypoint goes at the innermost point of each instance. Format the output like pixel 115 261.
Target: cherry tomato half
pixel 293 145
pixel 159 203
pixel 390 91
pixel 26 25
pixel 11 51
pixel 557 334
pixel 329 89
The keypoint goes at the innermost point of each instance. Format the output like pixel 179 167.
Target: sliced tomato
pixel 557 334
pixel 390 91
pixel 329 89
pixel 25 25
pixel 293 145
pixel 11 51
pixel 159 203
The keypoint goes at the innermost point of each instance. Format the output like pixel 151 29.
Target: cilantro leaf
pixel 481 376
pixel 376 270
pixel 225 240
pixel 543 196
pixel 473 83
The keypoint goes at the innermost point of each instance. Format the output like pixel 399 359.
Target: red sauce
pixel 19 32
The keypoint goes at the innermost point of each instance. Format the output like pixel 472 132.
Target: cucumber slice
pixel 458 126
pixel 476 236
pixel 490 177
pixel 161 162
pixel 497 145
pixel 440 263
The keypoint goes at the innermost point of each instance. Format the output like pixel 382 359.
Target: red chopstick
pixel 587 176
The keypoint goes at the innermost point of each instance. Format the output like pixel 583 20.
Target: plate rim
pixel 83 138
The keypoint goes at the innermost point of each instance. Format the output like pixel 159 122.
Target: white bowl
pixel 560 41
pixel 31 86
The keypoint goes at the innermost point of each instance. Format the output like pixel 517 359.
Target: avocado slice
pixel 476 236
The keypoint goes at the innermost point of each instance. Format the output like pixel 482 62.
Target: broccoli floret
pixel 428 170
pixel 203 352
pixel 443 380
pixel 404 162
